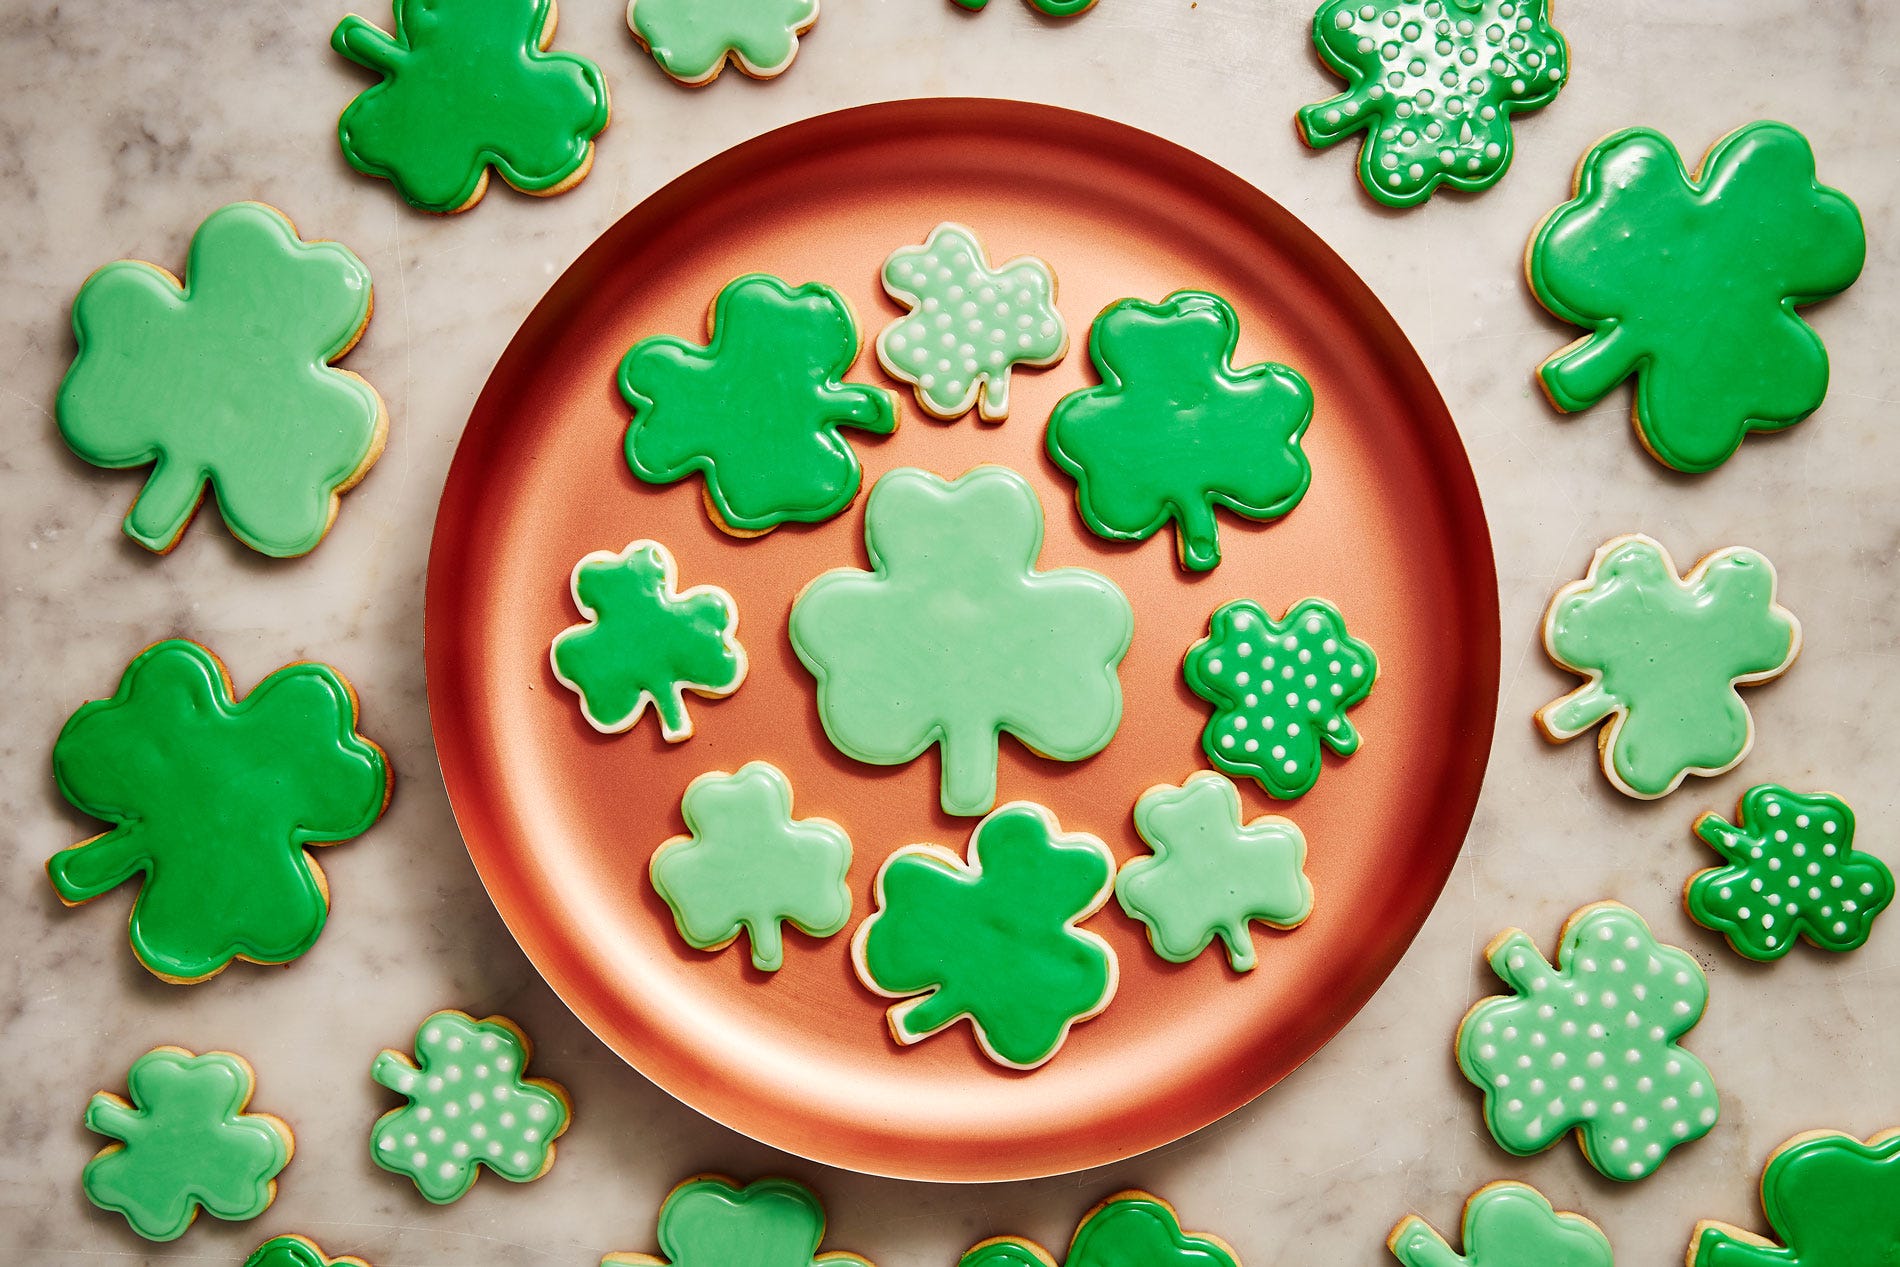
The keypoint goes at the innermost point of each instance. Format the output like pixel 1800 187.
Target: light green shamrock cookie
pixel 693 39
pixel 1831 1200
pixel 1129 1229
pixel 297 1251
pixel 1506 1225
pixel 710 1221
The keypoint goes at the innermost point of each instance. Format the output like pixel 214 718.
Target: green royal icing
pixel 1209 875
pixel 692 39
pixel 296 1251
pixel 1591 1044
pixel 185 1144
pixel 646 641
pixel 1792 872
pixel 1664 655
pixel 1130 1229
pixel 213 801
pixel 225 378
pixel 1054 8
pixel 969 323
pixel 469 1106
pixel 1174 430
pixel 710 1221
pixel 994 939
pixel 1433 84
pixel 954 636
pixel 756 411
pixel 1691 284
pixel 1506 1225
pixel 745 863
pixel 468 84
pixel 1832 1202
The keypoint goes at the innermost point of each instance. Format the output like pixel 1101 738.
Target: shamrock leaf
pixel 757 410
pixel 185 1144
pixel 1130 1229
pixel 1664 655
pixel 1433 84
pixel 1691 284
pixel 1054 8
pixel 468 84
pixel 693 39
pixel 993 938
pixel 1506 1225
pixel 646 641
pixel 1174 429
pixel 214 800
pixel 1830 1199
pixel 296 1251
pixel 226 378
pixel 954 636
pixel 710 1221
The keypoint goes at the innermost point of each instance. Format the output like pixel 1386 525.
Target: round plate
pixel 561 820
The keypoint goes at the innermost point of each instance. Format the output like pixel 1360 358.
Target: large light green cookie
pixel 1506 1225
pixel 693 39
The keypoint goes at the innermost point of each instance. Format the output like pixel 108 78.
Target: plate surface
pixel 560 820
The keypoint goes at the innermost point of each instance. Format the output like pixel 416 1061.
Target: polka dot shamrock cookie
pixel 1592 1044
pixel 710 1221
pixel 1506 1224
pixel 185 1144
pixel 225 379
pixel 1831 1201
pixel 1791 870
pixel 1690 283
pixel 1130 1227
pixel 470 1106
pixel 692 40
pixel 297 1251
pixel 1053 8
pixel 1433 85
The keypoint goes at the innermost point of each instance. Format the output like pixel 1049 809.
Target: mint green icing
pixel 1130 1229
pixel 1831 1201
pixel 710 1221
pixel 692 39
pixel 1506 1225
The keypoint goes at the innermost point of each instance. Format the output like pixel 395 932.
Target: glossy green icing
pixel 296 1251
pixel 1054 8
pixel 756 411
pixel 1130 1229
pixel 225 379
pixel 185 1144
pixel 1505 1225
pixel 955 637
pixel 1691 284
pixel 466 85
pixel 1174 429
pixel 710 1221
pixel 692 39
pixel 213 801
pixel 1831 1200
pixel 1664 654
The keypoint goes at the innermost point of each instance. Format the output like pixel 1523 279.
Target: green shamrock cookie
pixel 1792 872
pixel 225 379
pixel 994 938
pixel 1690 282
pixel 954 636
pixel 296 1251
pixel 1054 8
pixel 1210 875
pixel 1663 654
pixel 1433 84
pixel 185 1144
pixel 756 411
pixel 469 84
pixel 470 1105
pixel 1129 1229
pixel 710 1221
pixel 1174 430
pixel 214 801
pixel 645 641
pixel 1591 1044
pixel 1831 1200
pixel 693 39
pixel 1506 1225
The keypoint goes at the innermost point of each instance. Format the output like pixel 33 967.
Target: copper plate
pixel 560 820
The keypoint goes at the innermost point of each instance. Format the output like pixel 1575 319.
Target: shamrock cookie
pixel 968 324
pixel 225 378
pixel 1054 8
pixel 1690 282
pixel 756 411
pixel 470 1105
pixel 994 938
pixel 1591 1044
pixel 710 1221
pixel 1433 85
pixel 746 864
pixel 185 1144
pixel 214 802
pixel 1831 1200
pixel 1506 1225
pixel 1792 872
pixel 1663 654
pixel 954 636
pixel 1174 430
pixel 1128 1228
pixel 296 1251
pixel 466 85
pixel 646 641
pixel 1210 875
pixel 693 39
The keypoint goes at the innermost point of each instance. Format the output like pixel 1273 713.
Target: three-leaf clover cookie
pixel 1831 1201
pixel 993 938
pixel 469 85
pixel 224 379
pixel 955 636
pixel 1127 1229
pixel 1592 1044
pixel 1506 1224
pixel 692 40
pixel 214 801
pixel 710 1221
pixel 1690 282
pixel 297 1251
pixel 470 1106
pixel 1791 871
pixel 1174 429
pixel 185 1144
pixel 645 641
pixel 1433 84
pixel 756 410
pixel 1663 654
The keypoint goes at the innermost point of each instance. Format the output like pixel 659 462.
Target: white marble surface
pixel 122 124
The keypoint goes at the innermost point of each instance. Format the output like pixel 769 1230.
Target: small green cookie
pixel 710 1221
pixel 1130 1229
pixel 692 40
pixel 297 1251
pixel 1505 1225
pixel 1054 8
pixel 1831 1200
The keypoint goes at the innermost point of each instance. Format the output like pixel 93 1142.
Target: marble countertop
pixel 122 125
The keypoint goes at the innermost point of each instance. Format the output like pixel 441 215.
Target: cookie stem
pixel 1579 378
pixel 969 770
pixel 1416 1245
pixel 1578 711
pixel 768 944
pixel 84 871
pixel 170 495
pixel 1200 535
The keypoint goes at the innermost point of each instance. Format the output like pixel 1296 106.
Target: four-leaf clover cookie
pixel 1129 1229
pixel 692 40
pixel 297 1251
pixel 710 1221
pixel 1506 1224
pixel 1831 1201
